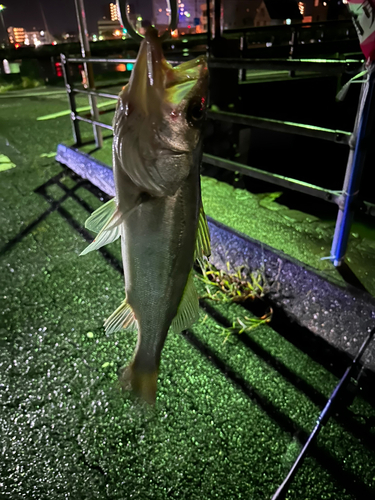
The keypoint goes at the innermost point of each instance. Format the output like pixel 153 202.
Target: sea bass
pixel 157 211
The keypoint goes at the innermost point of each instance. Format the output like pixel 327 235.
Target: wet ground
pixel 230 417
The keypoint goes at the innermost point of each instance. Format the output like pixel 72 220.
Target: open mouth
pixel 154 81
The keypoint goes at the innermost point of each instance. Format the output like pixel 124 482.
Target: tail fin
pixel 143 384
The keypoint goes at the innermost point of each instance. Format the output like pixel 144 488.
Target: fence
pixel 346 199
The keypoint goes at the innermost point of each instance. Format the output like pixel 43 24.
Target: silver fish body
pixel 157 151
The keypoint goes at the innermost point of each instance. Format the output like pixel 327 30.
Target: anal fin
pixel 122 318
pixel 188 310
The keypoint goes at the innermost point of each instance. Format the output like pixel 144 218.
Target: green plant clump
pixel 238 286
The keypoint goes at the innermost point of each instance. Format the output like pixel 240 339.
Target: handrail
pixel 338 136
pixel 329 67
pixel 279 180
pixel 326 66
pixel 105 60
pixel 94 92
pixel 92 122
pixel 286 27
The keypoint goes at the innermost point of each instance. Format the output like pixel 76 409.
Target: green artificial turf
pixel 67 431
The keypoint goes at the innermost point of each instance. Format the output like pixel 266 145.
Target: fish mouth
pixel 155 83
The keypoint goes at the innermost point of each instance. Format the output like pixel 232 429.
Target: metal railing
pixel 344 198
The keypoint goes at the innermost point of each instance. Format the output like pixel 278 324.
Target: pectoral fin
pixel 100 218
pixel 202 244
pixel 121 319
pixel 106 222
pixel 105 237
pixel 188 310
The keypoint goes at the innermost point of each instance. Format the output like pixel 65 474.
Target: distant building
pixel 248 13
pixel 316 10
pixel 203 18
pixel 113 12
pixel 323 10
pixel 109 30
pixel 37 38
pixel 240 13
pixel 16 35
pixel 275 12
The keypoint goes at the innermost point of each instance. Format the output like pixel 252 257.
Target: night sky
pixel 60 14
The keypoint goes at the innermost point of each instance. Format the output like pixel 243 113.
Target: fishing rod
pixel 323 418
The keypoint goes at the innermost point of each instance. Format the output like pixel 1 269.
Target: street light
pixel 2 7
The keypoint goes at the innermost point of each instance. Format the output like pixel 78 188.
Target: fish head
pixel 159 118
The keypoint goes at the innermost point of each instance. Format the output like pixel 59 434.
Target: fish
pixel 157 210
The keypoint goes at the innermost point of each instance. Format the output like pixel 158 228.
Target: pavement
pixel 230 418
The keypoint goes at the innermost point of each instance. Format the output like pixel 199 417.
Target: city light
pixel 288 21
pixel 2 7
pixel 187 14
pixel 114 12
pixel 139 18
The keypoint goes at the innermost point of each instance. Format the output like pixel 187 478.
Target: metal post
pixel 242 72
pixel 293 47
pixel 72 101
pixel 358 148
pixel 208 8
pixel 6 39
pixel 85 51
pixel 217 14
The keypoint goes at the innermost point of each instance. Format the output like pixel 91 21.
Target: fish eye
pixel 195 112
